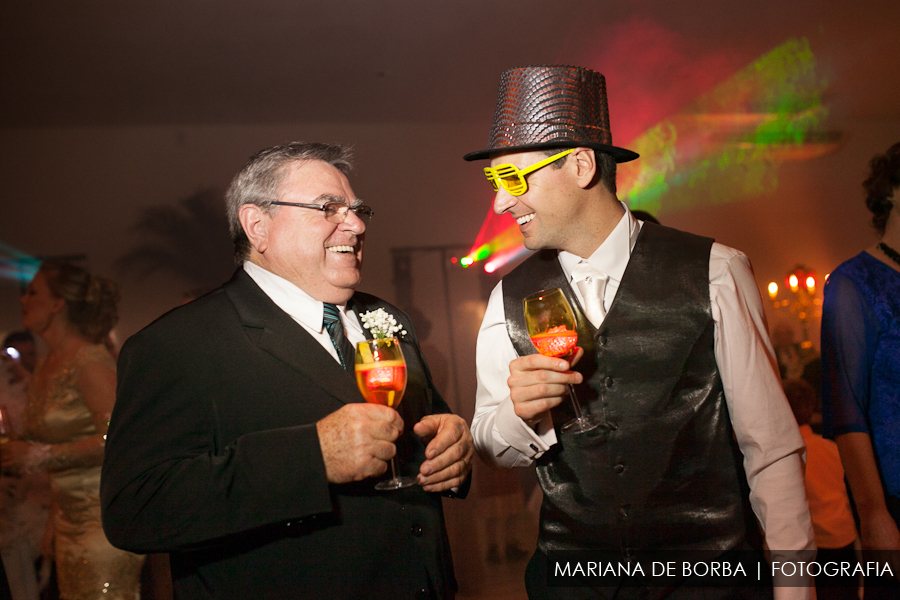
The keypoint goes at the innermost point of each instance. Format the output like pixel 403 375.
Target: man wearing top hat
pixel 696 448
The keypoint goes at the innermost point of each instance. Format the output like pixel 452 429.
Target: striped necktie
pixel 332 322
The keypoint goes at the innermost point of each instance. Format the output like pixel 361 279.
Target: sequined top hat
pixel 551 106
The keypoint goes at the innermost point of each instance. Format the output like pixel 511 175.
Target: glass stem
pixel 393 470
pixel 578 414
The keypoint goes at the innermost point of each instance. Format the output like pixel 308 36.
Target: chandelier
pixel 800 299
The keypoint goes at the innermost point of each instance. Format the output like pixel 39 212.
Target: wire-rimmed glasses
pixel 336 212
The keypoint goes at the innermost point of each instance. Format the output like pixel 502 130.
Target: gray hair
pixel 260 180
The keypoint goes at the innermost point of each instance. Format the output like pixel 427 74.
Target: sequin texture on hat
pixel 551 106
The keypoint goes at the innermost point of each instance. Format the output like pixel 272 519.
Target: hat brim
pixel 619 154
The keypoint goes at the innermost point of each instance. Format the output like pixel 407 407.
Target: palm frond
pixel 189 239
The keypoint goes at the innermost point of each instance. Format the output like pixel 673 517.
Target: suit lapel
pixel 275 332
pixel 358 305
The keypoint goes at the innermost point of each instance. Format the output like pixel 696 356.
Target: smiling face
pixel 322 258
pixel 39 305
pixel 550 212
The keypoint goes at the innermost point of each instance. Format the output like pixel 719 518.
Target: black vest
pixel 665 472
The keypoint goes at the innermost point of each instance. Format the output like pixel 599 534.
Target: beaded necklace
pixel 890 252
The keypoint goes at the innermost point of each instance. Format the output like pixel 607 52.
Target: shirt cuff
pixel 519 435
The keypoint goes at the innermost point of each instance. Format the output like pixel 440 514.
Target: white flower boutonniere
pixel 381 323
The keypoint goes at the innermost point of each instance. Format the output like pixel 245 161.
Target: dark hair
pixel 802 398
pixel 884 178
pixel 606 167
pixel 91 300
pixel 259 181
pixel 16 337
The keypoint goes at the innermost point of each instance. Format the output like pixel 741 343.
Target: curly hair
pixel 91 300
pixel 883 180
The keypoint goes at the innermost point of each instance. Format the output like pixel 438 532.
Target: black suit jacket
pixel 212 455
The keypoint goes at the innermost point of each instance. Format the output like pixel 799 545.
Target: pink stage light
pixel 725 146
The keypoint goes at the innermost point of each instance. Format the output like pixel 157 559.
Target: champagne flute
pixel 551 326
pixel 381 377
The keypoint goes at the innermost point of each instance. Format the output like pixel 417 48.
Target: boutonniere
pixel 381 324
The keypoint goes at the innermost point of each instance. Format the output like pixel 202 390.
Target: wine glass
pixel 551 326
pixel 381 377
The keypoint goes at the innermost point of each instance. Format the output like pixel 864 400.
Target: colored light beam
pixel 728 144
pixel 16 265
pixel 498 233
pixel 725 146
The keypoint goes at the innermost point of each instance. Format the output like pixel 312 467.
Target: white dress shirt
pixel 303 309
pixel 760 415
pixel 307 312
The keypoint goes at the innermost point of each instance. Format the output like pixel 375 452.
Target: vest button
pixel 416 530
pixel 601 339
pixel 623 511
pixel 619 468
pixel 609 382
pixel 612 425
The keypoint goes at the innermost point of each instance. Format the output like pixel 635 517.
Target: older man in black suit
pixel 240 443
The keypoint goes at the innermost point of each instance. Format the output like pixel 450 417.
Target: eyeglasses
pixel 513 179
pixel 336 212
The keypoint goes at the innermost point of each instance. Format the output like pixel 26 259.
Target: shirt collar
pixel 302 307
pixel 611 257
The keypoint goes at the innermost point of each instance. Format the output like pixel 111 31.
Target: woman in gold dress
pixel 70 400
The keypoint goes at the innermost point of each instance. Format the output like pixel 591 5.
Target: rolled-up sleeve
pixel 763 423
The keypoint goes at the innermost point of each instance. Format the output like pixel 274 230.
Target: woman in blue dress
pixel 861 369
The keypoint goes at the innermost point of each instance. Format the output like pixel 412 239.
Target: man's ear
pixel 255 223
pixel 584 162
